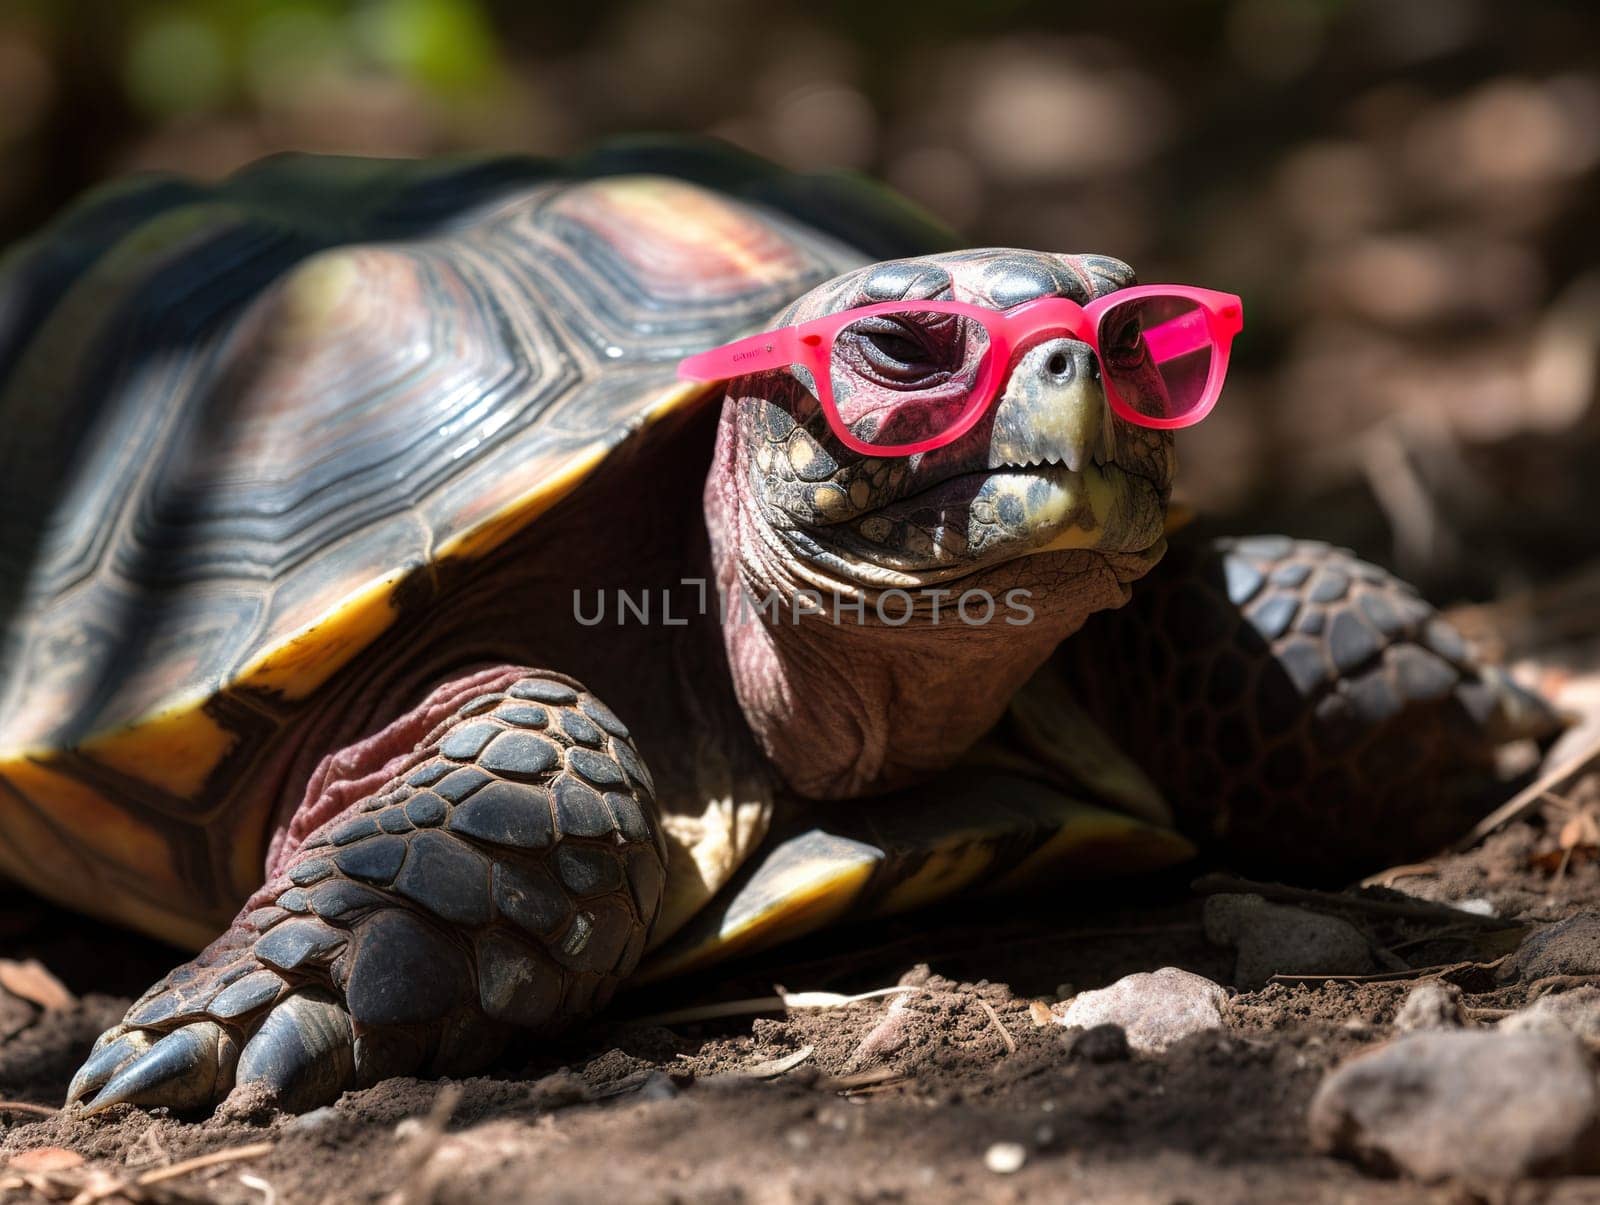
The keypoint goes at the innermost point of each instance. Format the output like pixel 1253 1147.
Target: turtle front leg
pixel 1305 713
pixel 504 877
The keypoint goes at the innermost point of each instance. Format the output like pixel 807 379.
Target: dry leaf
pixel 33 983
pixel 44 1159
pixel 773 1068
pixel 1553 861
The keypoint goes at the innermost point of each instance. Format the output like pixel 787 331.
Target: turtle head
pixel 1047 468
pixel 1041 513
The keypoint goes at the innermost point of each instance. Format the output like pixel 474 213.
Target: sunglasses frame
pixel 1217 319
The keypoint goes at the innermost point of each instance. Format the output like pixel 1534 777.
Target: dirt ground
pixel 845 1103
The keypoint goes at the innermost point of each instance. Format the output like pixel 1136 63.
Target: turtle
pixel 367 568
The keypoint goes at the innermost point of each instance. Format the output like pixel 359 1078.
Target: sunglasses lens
pixel 909 376
pixel 1157 352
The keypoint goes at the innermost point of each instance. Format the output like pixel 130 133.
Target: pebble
pixel 1569 948
pixel 1004 1158
pixel 317 1119
pixel 1576 1011
pixel 1431 1005
pixel 1473 1105
pixel 1154 1008
pixel 1273 939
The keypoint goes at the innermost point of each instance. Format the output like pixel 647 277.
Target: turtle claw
pixel 113 1051
pixel 302 1049
pixel 304 1052
pixel 189 1067
pixel 506 881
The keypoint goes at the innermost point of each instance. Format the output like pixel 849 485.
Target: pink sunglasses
pixel 900 377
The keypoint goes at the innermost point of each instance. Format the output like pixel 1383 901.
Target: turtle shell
pixel 243 420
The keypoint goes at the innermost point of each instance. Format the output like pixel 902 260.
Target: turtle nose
pixel 1053 409
pixel 1065 360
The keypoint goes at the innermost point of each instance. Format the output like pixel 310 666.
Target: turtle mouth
pixel 973 520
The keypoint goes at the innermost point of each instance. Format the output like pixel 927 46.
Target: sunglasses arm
pixel 758 353
pixel 1178 337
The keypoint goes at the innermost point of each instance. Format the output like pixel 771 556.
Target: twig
pixel 860 1094
pixel 876 1078
pixel 1557 983
pixel 22 1106
pixel 764 1004
pixel 1223 884
pixel 1387 878
pixel 1380 977
pixel 1011 1043
pixel 236 1154
pixel 1388 976
pixel 773 1068
pixel 1561 801
pixel 1525 800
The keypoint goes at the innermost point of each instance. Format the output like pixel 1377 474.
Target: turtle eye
pixel 1123 344
pixel 909 350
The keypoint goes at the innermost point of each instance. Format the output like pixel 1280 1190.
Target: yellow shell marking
pixel 129 861
pixel 174 749
pixel 809 898
pixel 1095 843
pixel 947 870
pixel 319 649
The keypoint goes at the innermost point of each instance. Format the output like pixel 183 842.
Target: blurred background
pixel 1406 192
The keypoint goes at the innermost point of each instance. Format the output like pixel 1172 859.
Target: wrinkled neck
pixel 852 690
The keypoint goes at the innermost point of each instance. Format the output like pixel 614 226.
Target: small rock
pixel 317 1119
pixel 1272 939
pixel 1004 1158
pixel 1477 905
pixel 1576 1012
pixel 1100 1044
pixel 1431 1005
pixel 1154 1009
pixel 1569 948
pixel 1474 1105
